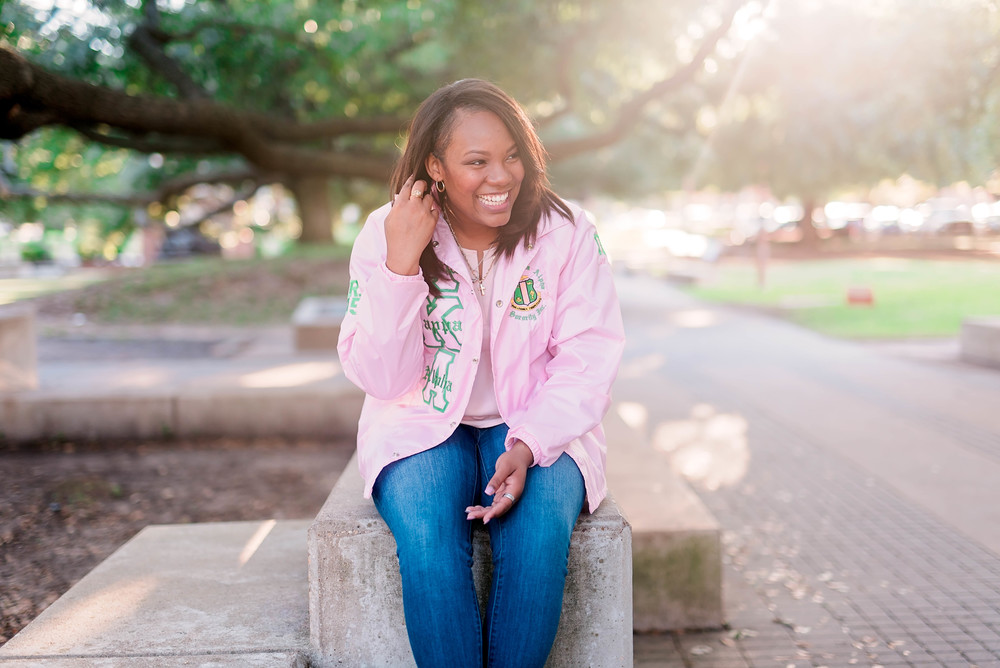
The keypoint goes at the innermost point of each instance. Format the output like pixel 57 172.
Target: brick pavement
pixel 827 563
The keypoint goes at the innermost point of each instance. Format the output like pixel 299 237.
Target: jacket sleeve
pixel 381 341
pixel 586 343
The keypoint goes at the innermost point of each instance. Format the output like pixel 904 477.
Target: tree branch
pixel 564 78
pixel 11 191
pixel 631 110
pixel 147 40
pixel 179 184
pixel 166 190
pixel 664 127
pixel 155 145
pixel 31 97
pixel 244 194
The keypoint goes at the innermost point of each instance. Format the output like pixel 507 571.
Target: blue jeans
pixel 423 500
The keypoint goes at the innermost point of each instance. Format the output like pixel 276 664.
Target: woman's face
pixel 482 173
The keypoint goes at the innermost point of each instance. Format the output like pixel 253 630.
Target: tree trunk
pixel 810 236
pixel 762 255
pixel 313 200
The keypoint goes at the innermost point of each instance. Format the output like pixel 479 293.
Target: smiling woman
pixel 485 331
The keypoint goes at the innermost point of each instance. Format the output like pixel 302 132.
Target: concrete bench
pixel 355 594
pixel 980 340
pixel 18 349
pixel 676 541
pixel 317 321
pixel 229 594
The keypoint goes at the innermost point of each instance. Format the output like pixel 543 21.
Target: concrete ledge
pixel 355 594
pixel 329 409
pixel 676 541
pixel 18 349
pixel 980 340
pixel 291 412
pixel 269 660
pixel 29 416
pixel 217 594
pixel 316 322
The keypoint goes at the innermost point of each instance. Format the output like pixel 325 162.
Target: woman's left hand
pixel 509 476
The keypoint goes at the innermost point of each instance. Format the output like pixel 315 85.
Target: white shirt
pixel 482 410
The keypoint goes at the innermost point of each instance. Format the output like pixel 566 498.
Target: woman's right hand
pixel 409 227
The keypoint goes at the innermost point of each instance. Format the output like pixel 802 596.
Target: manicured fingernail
pixel 486 521
pixel 490 490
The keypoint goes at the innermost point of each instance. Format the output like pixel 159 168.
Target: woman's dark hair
pixel 429 133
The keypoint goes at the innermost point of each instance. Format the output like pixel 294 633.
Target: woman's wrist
pixel 402 267
pixel 523 453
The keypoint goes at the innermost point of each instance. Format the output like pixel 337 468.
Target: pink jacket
pixel 556 340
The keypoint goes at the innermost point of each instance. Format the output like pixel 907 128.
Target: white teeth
pixel 495 200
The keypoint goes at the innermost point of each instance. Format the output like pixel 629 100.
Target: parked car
pixel 187 241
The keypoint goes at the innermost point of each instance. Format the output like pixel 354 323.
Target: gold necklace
pixel 482 276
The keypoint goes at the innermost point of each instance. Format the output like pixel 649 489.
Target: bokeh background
pixel 808 156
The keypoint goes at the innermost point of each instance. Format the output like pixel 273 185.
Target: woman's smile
pixel 496 201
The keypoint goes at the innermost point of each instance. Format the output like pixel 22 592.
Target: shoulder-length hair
pixel 430 132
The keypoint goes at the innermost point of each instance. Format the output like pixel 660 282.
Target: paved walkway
pixel 857 486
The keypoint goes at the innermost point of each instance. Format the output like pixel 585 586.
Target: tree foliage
pixel 300 91
pixel 123 106
pixel 837 94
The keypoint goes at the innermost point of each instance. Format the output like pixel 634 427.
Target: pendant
pixel 482 289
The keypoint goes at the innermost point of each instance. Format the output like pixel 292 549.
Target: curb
pixel 325 411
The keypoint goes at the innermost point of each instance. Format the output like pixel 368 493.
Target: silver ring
pixel 508 495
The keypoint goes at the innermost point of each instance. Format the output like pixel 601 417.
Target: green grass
pixel 912 298
pixel 17 289
pixel 209 290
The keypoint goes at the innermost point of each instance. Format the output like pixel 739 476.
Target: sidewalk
pixel 135 382
pixel 857 486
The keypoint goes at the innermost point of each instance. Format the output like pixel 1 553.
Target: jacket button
pixel 499 303
pixel 531 246
pixel 475 360
pixel 434 243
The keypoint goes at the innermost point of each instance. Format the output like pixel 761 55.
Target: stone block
pixel 316 322
pixel 676 541
pixel 215 594
pixel 677 580
pixel 355 593
pixel 39 415
pixel 979 340
pixel 262 660
pixel 18 349
pixel 325 411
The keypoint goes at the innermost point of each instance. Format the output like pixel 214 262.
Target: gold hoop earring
pixel 439 186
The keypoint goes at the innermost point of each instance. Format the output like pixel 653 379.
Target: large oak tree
pixel 307 93
pixel 839 94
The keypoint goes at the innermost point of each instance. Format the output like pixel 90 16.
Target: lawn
pixel 912 297
pixel 17 289
pixel 201 290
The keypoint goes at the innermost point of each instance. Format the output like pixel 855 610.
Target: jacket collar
pixel 508 271
pixel 447 249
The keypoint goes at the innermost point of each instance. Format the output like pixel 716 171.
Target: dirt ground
pixel 64 507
